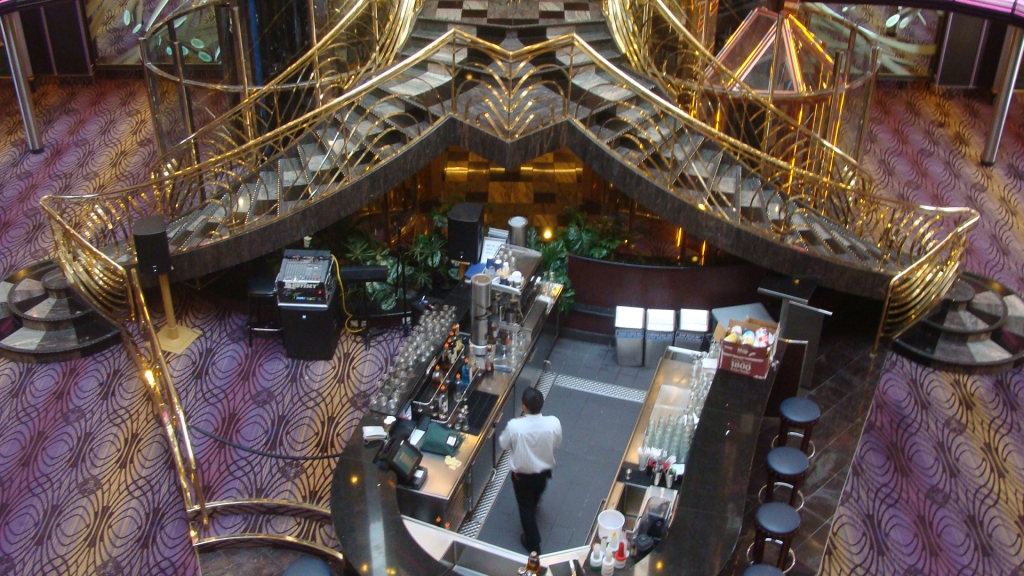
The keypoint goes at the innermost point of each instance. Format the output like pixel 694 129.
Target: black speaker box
pixel 466 232
pixel 151 249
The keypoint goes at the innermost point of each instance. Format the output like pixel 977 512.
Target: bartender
pixel 532 438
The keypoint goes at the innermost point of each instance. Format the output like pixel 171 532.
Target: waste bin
pixel 661 326
pixel 693 327
pixel 629 336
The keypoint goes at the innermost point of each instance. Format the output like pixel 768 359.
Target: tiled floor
pixel 592 361
pixel 843 386
pixel 595 430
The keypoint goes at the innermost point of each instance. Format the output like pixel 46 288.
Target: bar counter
pixel 704 529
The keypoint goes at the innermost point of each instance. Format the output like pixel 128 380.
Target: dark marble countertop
pixel 702 537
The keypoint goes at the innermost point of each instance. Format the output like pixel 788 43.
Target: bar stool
pixel 786 466
pixel 762 570
pixel 264 316
pixel 798 412
pixel 779 523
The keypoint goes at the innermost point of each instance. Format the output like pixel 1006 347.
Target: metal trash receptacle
pixel 693 328
pixel 629 336
pixel 661 327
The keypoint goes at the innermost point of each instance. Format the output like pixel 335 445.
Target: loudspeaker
pixel 151 249
pixel 465 232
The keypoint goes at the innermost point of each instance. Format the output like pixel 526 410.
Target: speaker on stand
pixel 465 234
pixel 153 256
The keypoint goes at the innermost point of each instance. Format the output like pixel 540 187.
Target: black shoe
pixel 522 540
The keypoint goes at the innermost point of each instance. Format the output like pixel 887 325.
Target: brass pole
pixel 147 78
pixel 242 64
pixel 867 104
pixel 316 55
pixel 165 293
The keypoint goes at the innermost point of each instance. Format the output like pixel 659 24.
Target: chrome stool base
pixel 790 555
pixel 776 498
pixel 796 434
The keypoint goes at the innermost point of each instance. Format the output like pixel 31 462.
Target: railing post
pixel 776 50
pixel 316 54
pixel 868 97
pixel 242 65
pixel 1015 39
pixel 161 148
pixel 183 98
pixel 14 42
pixel 834 108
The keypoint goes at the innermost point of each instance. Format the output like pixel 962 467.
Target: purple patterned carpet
pixel 86 485
pixel 937 484
pixel 85 482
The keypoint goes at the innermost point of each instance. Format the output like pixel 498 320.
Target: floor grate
pixel 471 528
pixel 610 390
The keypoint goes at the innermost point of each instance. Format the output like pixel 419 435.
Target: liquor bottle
pixel 446 360
pixel 435 379
pixel 533 564
pixel 442 408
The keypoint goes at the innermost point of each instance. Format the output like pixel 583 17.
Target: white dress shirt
pixel 533 439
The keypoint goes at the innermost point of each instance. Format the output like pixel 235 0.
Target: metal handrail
pixel 842 200
pixel 509 100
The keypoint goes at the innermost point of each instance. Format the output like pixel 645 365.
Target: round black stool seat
pixel 800 413
pixel 787 461
pixel 264 286
pixel 762 570
pixel 787 466
pixel 778 520
pixel 799 410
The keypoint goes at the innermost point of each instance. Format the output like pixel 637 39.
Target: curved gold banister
pixel 842 200
pixel 507 94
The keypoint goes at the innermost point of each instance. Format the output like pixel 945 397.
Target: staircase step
pixel 957 340
pixel 42 320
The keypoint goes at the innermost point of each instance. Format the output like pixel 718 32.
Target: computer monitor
pixel 404 460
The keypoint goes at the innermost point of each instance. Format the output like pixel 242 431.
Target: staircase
pixel 43 320
pixel 364 133
pixel 978 328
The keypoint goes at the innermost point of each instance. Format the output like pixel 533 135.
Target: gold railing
pixel 661 39
pixel 508 94
pixel 157 376
pixel 919 287
pixel 363 36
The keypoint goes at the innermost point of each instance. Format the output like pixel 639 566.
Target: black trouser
pixel 528 488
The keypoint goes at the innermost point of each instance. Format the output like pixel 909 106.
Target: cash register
pixel 404 459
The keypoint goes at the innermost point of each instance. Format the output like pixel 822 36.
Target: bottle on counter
pixel 442 403
pixel 435 378
pixel 458 388
pixel 608 561
pixel 533 563
pixel 466 376
pixel 446 357
pixel 620 556
pixel 596 557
